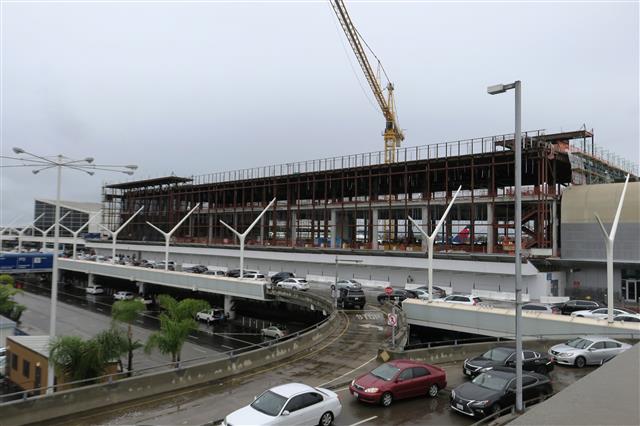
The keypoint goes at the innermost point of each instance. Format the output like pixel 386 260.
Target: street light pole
pixel 40 163
pixel 24 229
pixel 517 142
pixel 430 240
pixel 608 244
pixel 167 235
pixel 45 232
pixel 77 231
pixel 114 234
pixel 242 236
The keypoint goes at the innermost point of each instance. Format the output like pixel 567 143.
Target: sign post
pixel 392 321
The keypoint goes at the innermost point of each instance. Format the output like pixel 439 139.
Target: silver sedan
pixel 586 350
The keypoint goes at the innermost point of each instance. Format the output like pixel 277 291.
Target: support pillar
pixel 491 232
pixel 90 280
pixel 229 307
pixel 425 227
pixel 374 229
pixel 262 230
pixel 334 228
pixel 294 228
pixel 554 229
pixel 210 230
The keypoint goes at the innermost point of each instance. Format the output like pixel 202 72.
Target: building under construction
pixel 362 202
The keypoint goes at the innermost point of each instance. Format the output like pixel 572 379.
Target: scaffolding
pixel 360 202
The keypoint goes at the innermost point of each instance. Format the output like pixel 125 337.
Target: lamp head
pixel 496 89
pixel 35 172
pixel 128 172
pixel 89 160
pixel 132 167
pixel 91 173
pixel 18 150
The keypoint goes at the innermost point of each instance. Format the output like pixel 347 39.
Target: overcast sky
pixel 197 88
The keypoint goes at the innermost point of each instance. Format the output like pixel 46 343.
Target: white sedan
pixel 273 331
pixel 462 299
pixel 290 404
pixel 422 294
pixel 600 313
pixel 294 284
pixel 348 284
pixel 123 295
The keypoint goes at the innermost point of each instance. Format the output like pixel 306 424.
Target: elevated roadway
pixel 500 322
pixel 235 287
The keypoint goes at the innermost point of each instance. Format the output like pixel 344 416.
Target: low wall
pixel 95 397
pixel 455 353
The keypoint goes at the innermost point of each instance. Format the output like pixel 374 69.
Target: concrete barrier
pixel 94 397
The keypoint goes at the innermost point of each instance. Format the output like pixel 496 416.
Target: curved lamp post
pixel 167 235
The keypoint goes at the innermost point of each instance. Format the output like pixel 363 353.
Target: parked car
pixel 289 404
pixel 398 379
pixel 171 265
pixel 587 350
pixel 422 294
pixel 281 276
pixel 146 300
pixel 196 269
pixel 461 299
pixel 438 292
pixel 235 273
pixel 259 277
pixel 211 315
pixel 123 295
pixel 495 389
pixel 601 313
pixel 398 294
pixel 294 284
pixel 578 305
pixel 506 357
pixel 627 318
pixel 95 289
pixel 148 263
pixel 348 284
pixel 273 331
pixel 351 298
pixel 542 308
pixel 216 273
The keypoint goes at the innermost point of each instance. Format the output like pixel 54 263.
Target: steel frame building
pixel 359 201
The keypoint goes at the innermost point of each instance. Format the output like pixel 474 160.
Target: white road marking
pixel 341 389
pixel 348 372
pixel 199 350
pixel 378 327
pixel 364 421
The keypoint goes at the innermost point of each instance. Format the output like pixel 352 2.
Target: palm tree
pixel 79 359
pixel 127 311
pixel 176 322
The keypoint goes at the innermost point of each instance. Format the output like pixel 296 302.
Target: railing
pixel 511 409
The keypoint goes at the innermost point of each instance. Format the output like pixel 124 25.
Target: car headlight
pixel 453 394
pixel 480 403
pixel 353 382
pixel 371 390
pixel 565 354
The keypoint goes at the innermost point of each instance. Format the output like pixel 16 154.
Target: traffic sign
pixel 392 320
pixel 388 290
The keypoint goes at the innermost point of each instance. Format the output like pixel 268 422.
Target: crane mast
pixel 392 133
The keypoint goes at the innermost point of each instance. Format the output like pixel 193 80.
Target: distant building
pixel 79 214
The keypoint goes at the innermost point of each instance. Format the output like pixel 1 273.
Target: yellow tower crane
pixel 392 133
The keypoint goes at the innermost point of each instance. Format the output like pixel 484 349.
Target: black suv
pixel 281 276
pixel 506 357
pixel 351 298
pixel 495 389
pixel 578 305
pixel 398 295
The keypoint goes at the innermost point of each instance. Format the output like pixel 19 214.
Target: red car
pixel 401 378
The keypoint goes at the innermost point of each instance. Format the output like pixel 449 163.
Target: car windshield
pixel 385 372
pixel 497 354
pixel 579 343
pixel 490 381
pixel 269 403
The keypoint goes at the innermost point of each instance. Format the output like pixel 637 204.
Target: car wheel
pixel 326 419
pixel 495 409
pixel 580 316
pixel 386 399
pixel 580 362
pixel 361 307
pixel 541 369
pixel 433 390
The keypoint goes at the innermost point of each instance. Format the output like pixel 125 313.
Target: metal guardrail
pixel 177 366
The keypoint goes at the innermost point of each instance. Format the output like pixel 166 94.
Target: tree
pixel 79 359
pixel 127 311
pixel 6 279
pixel 8 307
pixel 176 322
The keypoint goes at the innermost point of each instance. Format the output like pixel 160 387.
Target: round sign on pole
pixel 388 290
pixel 392 320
